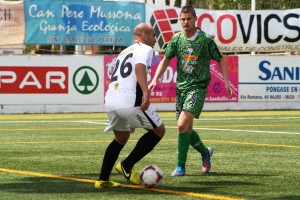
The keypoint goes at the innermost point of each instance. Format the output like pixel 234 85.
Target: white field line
pixel 169 119
pixel 239 118
pixel 245 131
pixel 104 122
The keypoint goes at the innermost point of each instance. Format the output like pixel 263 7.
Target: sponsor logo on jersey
pixel 189 57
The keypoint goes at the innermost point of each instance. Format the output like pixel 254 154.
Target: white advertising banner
pixel 269 78
pixel 233 30
pixel 75 83
pixel 51 80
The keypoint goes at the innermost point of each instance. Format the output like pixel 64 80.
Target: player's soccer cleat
pixel 206 165
pixel 130 175
pixel 179 171
pixel 106 184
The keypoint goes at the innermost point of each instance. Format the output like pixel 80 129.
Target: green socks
pixel 183 147
pixel 186 139
pixel 196 142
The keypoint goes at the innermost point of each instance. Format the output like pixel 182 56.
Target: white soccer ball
pixel 151 176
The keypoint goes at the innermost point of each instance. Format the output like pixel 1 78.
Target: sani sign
pixel 269 78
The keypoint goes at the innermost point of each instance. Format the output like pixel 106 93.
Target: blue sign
pixel 105 23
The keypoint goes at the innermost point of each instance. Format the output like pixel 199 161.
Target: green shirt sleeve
pixel 214 52
pixel 171 49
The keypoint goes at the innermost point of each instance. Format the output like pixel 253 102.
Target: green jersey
pixel 193 59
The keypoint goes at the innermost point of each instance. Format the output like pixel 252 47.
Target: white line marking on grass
pixel 104 122
pixel 94 122
pixel 167 119
pixel 249 131
pixel 242 131
pixel 236 118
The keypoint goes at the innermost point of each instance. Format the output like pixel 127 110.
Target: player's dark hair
pixel 188 9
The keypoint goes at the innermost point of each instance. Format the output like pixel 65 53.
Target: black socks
pixel 144 145
pixel 110 157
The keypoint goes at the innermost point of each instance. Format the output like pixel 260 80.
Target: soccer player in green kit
pixel 193 49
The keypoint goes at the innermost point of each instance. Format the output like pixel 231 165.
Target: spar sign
pixel 33 80
pixel 43 80
pixel 234 31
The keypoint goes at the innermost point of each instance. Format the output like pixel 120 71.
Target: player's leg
pixel 195 141
pixel 121 132
pixel 150 121
pixel 206 152
pixel 182 148
pixel 144 146
pixel 185 123
pixel 112 153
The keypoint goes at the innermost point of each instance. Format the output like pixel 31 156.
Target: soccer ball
pixel 151 176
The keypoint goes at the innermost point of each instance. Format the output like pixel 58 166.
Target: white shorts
pixel 127 118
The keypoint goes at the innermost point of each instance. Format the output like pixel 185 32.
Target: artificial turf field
pixel 58 156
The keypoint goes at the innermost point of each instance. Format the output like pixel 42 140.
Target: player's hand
pixel 132 130
pixel 145 103
pixel 229 91
pixel 152 85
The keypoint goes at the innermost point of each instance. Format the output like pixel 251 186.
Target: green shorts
pixel 192 101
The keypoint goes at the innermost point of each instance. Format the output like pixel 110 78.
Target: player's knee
pixel 122 138
pixel 160 131
pixel 122 141
pixel 181 128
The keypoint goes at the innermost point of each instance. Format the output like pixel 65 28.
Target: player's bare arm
pixel 141 76
pixel 223 68
pixel 159 72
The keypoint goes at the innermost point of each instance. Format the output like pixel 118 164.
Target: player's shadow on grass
pixel 92 176
pixel 285 197
pixel 231 174
pixel 202 183
pixel 44 185
pixel 73 189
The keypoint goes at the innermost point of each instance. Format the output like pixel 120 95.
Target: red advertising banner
pixel 33 80
pixel 165 92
